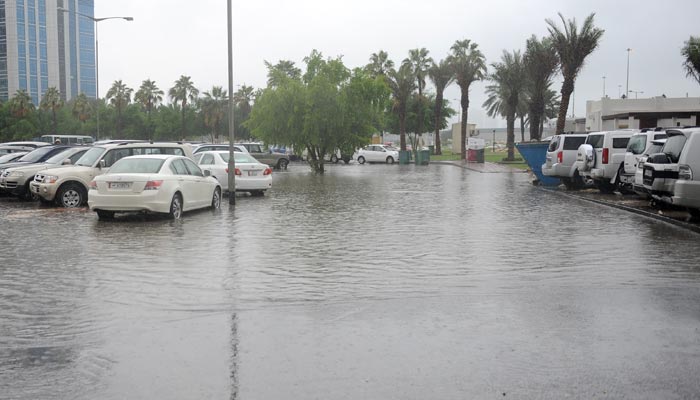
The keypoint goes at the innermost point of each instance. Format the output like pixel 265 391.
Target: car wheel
pixel 577 181
pixel 334 159
pixel 346 160
pixel 105 215
pixel 621 187
pixel 361 160
pixel 282 163
pixel 605 187
pixel 70 195
pixel 390 160
pixel 216 199
pixel 176 207
pixel 257 193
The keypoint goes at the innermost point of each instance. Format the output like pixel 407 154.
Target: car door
pixel 200 188
pixel 186 183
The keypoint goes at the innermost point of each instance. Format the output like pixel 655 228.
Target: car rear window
pixel 636 144
pixel 554 144
pixel 673 147
pixel 620 143
pixel 658 136
pixel 573 143
pixel 596 141
pixel 137 166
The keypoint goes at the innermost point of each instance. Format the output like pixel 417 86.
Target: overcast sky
pixel 169 38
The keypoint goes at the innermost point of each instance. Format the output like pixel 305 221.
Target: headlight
pixel 50 179
pixel 16 174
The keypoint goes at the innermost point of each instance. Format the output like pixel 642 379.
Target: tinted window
pixel 88 159
pixel 673 147
pixel 554 144
pixel 636 144
pixel 178 167
pixel 40 154
pixel 620 143
pixel 573 143
pixel 197 157
pixel 58 157
pixel 115 155
pixel 193 168
pixel 596 141
pixel 659 136
pixel 207 160
pixel 654 148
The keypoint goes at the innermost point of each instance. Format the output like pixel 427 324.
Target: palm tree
pixel 401 83
pixel 541 62
pixel 119 96
pixel 81 108
pixel 243 98
pixel 214 109
pixel 572 47
pixel 442 76
pixel 149 96
pixel 469 65
pixel 183 91
pixel 284 69
pixel 419 62
pixel 379 63
pixel 691 55
pixel 52 102
pixel 504 95
pixel 21 104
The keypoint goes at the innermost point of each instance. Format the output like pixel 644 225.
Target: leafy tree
pixel 21 104
pixel 214 110
pixel 243 104
pixel 183 91
pixel 149 96
pixel 330 108
pixel 541 63
pixel 401 83
pixel 119 96
pixel 52 102
pixel 379 64
pixel 419 62
pixel 81 108
pixel 572 46
pixel 283 70
pixel 691 58
pixel 469 65
pixel 504 95
pixel 441 74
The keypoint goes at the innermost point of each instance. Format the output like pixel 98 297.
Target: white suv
pixel 68 186
pixel 602 158
pixel 561 159
pixel 636 147
pixel 686 191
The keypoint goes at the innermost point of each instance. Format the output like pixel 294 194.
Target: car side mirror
pixel 66 162
pixel 206 172
pixel 103 163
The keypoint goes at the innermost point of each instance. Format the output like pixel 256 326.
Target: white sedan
pixel 251 175
pixel 377 153
pixel 158 183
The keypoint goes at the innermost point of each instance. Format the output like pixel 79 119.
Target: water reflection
pixel 371 281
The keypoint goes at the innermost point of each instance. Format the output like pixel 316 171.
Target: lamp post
pixel 231 138
pixel 627 86
pixel 603 86
pixel 97 57
pixel 637 92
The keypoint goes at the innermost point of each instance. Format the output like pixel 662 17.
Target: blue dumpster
pixel 535 154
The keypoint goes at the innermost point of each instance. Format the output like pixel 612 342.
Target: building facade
pixel 42 47
pixel 610 114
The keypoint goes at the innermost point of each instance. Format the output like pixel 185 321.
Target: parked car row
pixel 116 176
pixel 662 165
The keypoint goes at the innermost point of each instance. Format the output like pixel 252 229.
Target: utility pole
pixel 627 86
pixel 603 86
pixel 231 137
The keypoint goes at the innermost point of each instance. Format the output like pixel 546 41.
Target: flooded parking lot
pixel 369 282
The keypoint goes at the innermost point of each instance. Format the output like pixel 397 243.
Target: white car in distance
pixel 251 175
pixel 378 153
pixel 155 183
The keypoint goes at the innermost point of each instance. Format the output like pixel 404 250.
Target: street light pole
pixel 627 86
pixel 231 138
pixel 97 58
pixel 603 86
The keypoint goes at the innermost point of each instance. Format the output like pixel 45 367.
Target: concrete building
pixel 610 114
pixel 42 47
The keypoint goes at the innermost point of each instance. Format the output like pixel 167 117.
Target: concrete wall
pixel 598 110
pixel 457 135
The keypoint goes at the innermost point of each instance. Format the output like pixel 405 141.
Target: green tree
pixel 469 66
pixel 441 74
pixel 541 63
pixel 401 83
pixel 149 96
pixel 214 106
pixel 81 108
pixel 420 63
pixel 182 92
pixel 572 46
pixel 119 96
pixel 330 108
pixel 21 104
pixel 243 104
pixel 691 57
pixel 504 95
pixel 280 72
pixel 379 64
pixel 52 102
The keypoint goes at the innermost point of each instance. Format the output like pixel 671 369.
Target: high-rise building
pixel 42 46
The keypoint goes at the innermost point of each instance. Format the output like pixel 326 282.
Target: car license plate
pixel 252 173
pixel 119 185
pixel 648 173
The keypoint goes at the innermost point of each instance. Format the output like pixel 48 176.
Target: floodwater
pixel 371 282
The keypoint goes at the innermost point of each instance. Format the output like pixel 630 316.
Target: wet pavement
pixel 374 281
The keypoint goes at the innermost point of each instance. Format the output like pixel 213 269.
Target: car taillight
pixel 606 154
pixel 153 185
pixel 560 157
pixel 93 185
pixel 267 171
pixel 684 172
pixel 227 170
pixel 238 172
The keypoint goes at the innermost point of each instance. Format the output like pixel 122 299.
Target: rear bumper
pixel 149 202
pixel 686 194
pixel 262 183
pixel 557 170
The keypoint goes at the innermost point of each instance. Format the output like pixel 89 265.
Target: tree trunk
pixel 182 132
pixel 402 129
pixel 54 121
pixel 566 89
pixel 522 128
pixel 534 126
pixel 438 117
pixel 463 133
pixel 510 129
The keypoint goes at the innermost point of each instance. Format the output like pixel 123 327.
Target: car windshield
pixel 10 157
pixel 137 166
pixel 636 144
pixel 673 147
pixel 38 154
pixel 88 159
pixel 240 158
pixel 58 158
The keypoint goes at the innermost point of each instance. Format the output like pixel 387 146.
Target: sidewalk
pixel 485 168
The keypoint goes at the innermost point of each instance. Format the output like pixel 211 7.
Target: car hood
pixel 63 170
pixel 37 167
pixel 16 164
